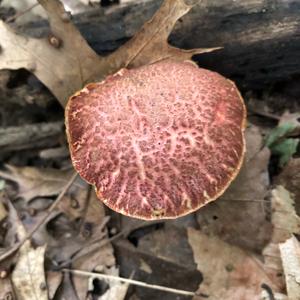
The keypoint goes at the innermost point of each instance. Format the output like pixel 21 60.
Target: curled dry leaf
pixel 65 63
pixel 228 272
pixel 290 255
pixel 34 182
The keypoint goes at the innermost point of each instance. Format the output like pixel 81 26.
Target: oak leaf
pixel 64 61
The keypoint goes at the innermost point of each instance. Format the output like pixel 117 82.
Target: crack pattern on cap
pixel 158 141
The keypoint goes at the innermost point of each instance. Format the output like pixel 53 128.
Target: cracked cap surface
pixel 159 141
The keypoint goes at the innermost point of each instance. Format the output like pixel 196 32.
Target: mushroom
pixel 158 141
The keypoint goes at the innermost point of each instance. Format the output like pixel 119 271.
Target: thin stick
pixel 80 253
pixel 131 281
pixel 42 221
pixel 265 114
pixel 245 200
pixel 21 13
pixel 85 209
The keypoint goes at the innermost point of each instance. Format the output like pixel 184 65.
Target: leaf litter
pixel 33 182
pixel 242 245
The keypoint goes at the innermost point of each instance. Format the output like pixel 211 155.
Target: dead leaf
pixel 150 44
pixel 284 218
pixel 6 289
pixel 290 255
pixel 63 69
pixel 290 179
pixel 34 182
pixel 239 215
pixel 168 256
pixel 117 290
pixel 28 275
pixel 101 259
pixel 285 223
pixel 3 212
pixel 228 272
pixel 65 63
pixel 54 280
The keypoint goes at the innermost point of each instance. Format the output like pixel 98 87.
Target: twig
pixel 21 13
pixel 131 281
pixel 102 242
pixel 85 209
pixel 265 114
pixel 42 221
pixel 245 200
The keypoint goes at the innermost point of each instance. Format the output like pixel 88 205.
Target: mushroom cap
pixel 159 141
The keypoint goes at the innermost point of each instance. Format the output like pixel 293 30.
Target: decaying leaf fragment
pixel 117 290
pixel 28 276
pixel 289 177
pixel 290 255
pixel 239 216
pixel 228 271
pixel 34 182
pixel 64 62
pixel 150 44
pixel 91 257
pixel 285 223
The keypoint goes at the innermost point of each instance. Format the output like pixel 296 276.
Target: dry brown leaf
pixel 228 272
pixel 101 259
pixel 3 212
pixel 66 290
pixel 285 222
pixel 239 216
pixel 117 290
pixel 34 182
pixel 65 62
pixel 290 179
pixel 63 70
pixel 54 280
pixel 290 255
pixel 150 44
pixel 6 289
pixel 28 275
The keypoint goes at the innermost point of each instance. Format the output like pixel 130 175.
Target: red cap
pixel 159 141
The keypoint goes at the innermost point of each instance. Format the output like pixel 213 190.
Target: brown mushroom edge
pixel 156 215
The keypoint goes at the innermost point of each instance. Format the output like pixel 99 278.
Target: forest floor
pixel 241 246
